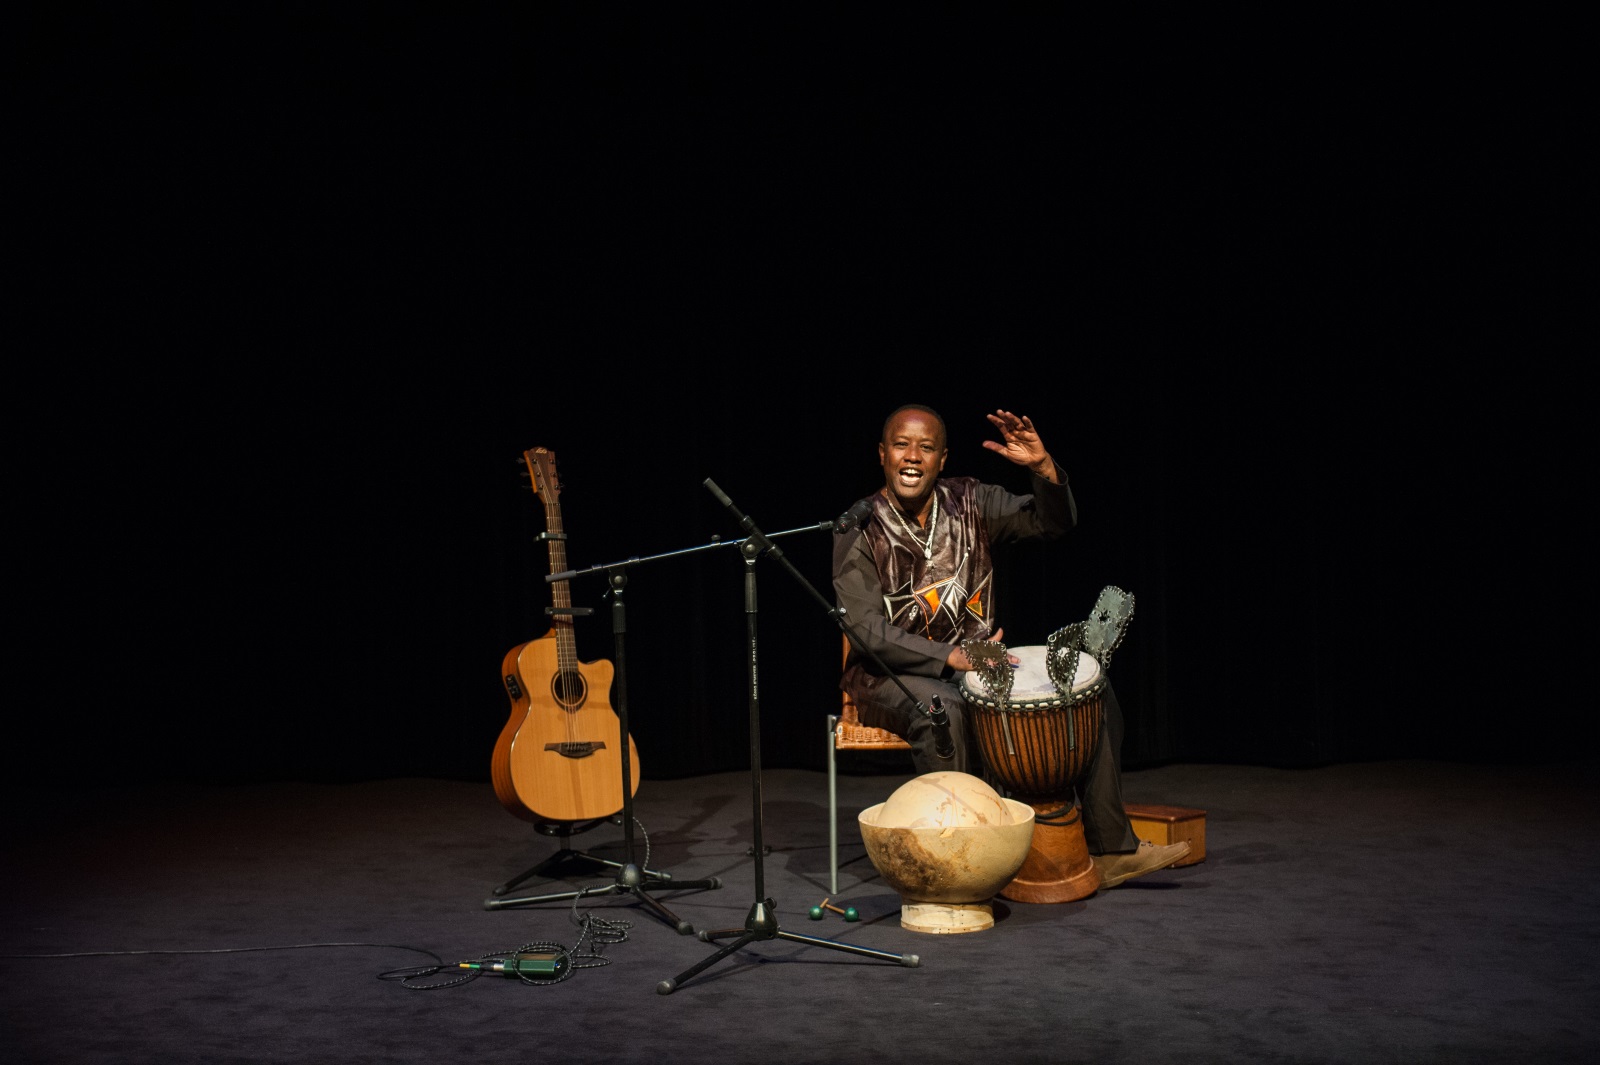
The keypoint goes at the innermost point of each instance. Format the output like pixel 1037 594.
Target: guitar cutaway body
pixel 559 757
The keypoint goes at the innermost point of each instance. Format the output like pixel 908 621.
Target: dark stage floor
pixel 1379 912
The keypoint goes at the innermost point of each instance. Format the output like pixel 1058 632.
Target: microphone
pixel 857 514
pixel 722 497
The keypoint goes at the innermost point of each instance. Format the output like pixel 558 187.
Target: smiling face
pixel 912 454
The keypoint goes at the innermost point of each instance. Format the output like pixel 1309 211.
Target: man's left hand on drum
pixel 957 658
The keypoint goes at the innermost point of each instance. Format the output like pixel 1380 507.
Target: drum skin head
pixel 1031 685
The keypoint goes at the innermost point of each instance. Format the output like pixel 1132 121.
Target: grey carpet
pixel 1375 912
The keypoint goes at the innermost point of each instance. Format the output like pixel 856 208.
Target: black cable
pixel 538 963
pixel 224 950
pixel 557 960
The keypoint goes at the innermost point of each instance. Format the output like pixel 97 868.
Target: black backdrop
pixel 315 280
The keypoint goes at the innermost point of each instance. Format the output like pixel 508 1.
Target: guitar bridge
pixel 576 749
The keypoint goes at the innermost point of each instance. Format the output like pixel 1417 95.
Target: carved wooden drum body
pixel 1036 740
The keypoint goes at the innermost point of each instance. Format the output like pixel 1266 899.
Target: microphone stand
pixel 631 879
pixel 762 923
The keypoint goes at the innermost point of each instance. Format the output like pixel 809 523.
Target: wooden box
pixel 1168 824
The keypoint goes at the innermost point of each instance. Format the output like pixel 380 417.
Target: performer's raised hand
pixel 1021 443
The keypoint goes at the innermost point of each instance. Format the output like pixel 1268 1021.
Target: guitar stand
pixel 566 863
pixel 762 923
pixel 631 879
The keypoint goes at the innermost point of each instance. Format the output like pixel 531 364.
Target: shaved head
pixel 889 421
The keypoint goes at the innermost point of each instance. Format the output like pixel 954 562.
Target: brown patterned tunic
pixel 913 609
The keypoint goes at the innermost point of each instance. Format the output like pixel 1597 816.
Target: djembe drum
pixel 1038 726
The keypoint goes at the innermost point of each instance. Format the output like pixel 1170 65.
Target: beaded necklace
pixel 933 523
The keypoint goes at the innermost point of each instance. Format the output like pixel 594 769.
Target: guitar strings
pixel 566 650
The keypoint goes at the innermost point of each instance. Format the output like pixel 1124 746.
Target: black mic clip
pixel 943 745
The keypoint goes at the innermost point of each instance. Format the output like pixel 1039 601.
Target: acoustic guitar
pixel 559 757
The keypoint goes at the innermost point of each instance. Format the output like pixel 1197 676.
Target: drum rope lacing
pixel 1061 662
pixel 991 662
pixel 1098 637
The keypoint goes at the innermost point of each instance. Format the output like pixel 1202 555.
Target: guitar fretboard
pixel 561 594
pixel 542 465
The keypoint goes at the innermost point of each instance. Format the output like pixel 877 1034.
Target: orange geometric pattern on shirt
pixel 930 597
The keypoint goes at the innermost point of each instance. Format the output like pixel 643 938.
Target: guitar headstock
pixel 542 465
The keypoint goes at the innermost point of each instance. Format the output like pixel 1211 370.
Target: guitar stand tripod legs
pixel 566 863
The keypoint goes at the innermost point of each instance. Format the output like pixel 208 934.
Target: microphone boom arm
pixel 943 745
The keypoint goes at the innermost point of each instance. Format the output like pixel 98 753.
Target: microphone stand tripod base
pixel 762 924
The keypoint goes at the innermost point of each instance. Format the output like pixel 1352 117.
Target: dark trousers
pixel 1106 828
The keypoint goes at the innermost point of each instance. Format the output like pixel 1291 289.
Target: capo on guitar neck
pixel 551 536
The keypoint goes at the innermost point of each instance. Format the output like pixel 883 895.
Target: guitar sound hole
pixel 568 689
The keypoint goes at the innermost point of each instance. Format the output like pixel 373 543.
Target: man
pixel 915 580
